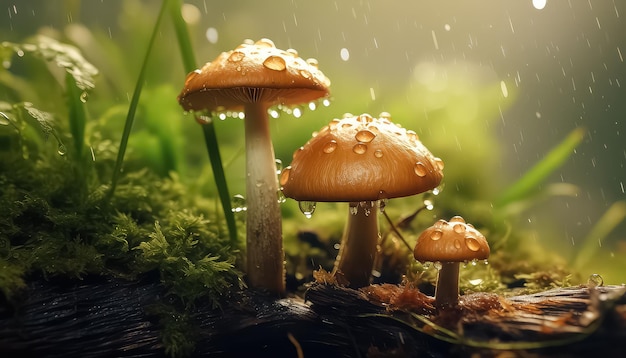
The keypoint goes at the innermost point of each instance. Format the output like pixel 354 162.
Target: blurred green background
pixel 490 87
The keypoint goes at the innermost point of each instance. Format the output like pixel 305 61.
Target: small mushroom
pixel 449 244
pixel 253 77
pixel 361 160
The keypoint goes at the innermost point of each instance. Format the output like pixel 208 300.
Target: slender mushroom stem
pixel 358 246
pixel 447 291
pixel 264 232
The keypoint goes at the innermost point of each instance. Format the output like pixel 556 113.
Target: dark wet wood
pixel 106 317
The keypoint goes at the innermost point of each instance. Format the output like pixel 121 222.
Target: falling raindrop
pixel 211 35
pixel 307 208
pixel 344 54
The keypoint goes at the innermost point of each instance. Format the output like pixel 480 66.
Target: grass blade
pixel 134 102
pixel 210 137
pixel 529 182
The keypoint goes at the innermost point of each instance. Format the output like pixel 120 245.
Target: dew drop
pixel 420 169
pixel 293 52
pixel 365 118
pixel 459 228
pixel 457 219
pixel 595 280
pixel 4 119
pixel 378 153
pixel 84 97
pixel 382 203
pixel 305 74
pixel 238 203
pixel 476 281
pixel 265 43
pixel 385 115
pixel 440 224
pixel 457 244
pixel 436 235
pixel 279 166
pixel 437 265
pixel 284 176
pixel 365 136
pixel 429 201
pixel 472 243
pixel 353 208
pixel 359 148
pixel 236 56
pixel 307 208
pixel 413 137
pixel 312 62
pixel 62 150
pixel 330 147
pixel 280 196
pixel 439 163
pixel 275 63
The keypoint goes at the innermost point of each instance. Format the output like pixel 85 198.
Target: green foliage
pixel 55 219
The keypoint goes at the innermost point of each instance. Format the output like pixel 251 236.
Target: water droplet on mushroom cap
pixel 236 56
pixel 420 169
pixel 436 235
pixel 472 243
pixel 275 63
pixel 359 148
pixel 284 176
pixel 459 228
pixel 365 136
pixel 330 147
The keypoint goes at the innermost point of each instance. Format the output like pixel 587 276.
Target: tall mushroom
pixel 361 160
pixel 252 78
pixel 449 244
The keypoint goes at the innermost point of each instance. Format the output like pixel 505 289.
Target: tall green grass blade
pixel 593 241
pixel 132 109
pixel 210 137
pixel 529 182
pixel 76 113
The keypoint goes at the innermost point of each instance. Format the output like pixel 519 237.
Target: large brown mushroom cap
pixel 253 72
pixel 453 241
pixel 361 159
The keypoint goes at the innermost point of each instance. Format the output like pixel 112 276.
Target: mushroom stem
pixel 265 256
pixel 358 246
pixel 447 291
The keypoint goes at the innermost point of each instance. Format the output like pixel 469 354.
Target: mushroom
pixel 448 244
pixel 364 161
pixel 253 77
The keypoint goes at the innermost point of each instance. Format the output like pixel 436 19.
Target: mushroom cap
pixel 452 241
pixel 361 158
pixel 253 72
